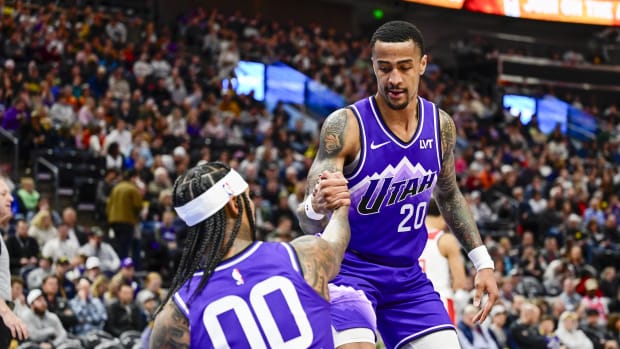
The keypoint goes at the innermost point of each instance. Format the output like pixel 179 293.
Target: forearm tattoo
pixel 450 200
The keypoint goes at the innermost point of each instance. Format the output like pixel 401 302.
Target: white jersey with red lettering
pixel 437 269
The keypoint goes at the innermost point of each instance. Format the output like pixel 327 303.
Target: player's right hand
pixel 330 192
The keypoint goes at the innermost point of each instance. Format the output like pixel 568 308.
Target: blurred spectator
pixel 148 303
pixel 569 295
pixel 570 335
pixel 104 188
pixel 124 315
pixel 167 232
pixel 497 327
pixel 596 332
pixel 283 231
pixel 62 112
pixel 15 116
pixel 37 275
pixel 119 135
pixel 609 282
pixel 66 289
pixel 57 305
pixel 123 209
pixel 90 312
pixel 23 250
pixel 27 195
pixel 42 228
pixel 227 61
pixel 92 269
pixel 547 329
pixel 100 287
pixel 161 182
pixel 613 326
pixel 480 210
pixel 152 284
pixel 471 334
pixel 18 297
pixel 594 212
pixel 44 205
pixel 96 247
pixel 61 245
pixel 45 327
pixel 593 300
pixel 524 332
pixel 127 275
pixel 614 304
pixel 76 232
pixel 111 295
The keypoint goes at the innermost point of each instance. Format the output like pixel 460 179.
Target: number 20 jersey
pixel 391 185
pixel 258 299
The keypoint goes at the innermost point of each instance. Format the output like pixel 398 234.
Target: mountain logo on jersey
pixel 391 186
pixel 236 275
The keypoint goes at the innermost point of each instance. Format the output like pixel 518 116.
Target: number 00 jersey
pixel 391 185
pixel 258 299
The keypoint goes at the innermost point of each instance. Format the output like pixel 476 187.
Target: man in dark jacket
pixel 124 315
pixel 595 332
pixel 524 333
pixel 23 249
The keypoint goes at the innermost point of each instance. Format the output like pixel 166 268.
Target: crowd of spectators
pixel 151 103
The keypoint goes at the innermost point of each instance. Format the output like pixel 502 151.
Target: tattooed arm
pixel 450 200
pixel 171 329
pixel 320 258
pixel 456 212
pixel 339 143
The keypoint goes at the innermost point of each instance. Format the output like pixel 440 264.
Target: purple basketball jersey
pixel 392 185
pixel 258 299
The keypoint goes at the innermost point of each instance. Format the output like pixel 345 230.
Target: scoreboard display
pixel 597 12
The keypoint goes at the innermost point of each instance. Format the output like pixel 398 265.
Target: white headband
pixel 212 200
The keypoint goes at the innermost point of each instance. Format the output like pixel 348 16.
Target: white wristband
pixel 481 258
pixel 310 213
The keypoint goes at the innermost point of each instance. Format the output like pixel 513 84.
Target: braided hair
pixel 204 247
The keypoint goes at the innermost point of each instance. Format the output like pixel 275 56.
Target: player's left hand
pixel 485 283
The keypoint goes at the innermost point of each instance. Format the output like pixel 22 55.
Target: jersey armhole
pixel 180 303
pixel 294 258
pixel 351 169
pixel 438 135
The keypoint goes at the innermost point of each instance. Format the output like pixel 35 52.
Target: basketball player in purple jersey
pixel 391 151
pixel 231 291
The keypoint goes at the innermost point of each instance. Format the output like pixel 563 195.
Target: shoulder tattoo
pixel 448 133
pixel 332 134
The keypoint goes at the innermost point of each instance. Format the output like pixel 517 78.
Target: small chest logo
pixel 374 146
pixel 236 275
pixel 426 143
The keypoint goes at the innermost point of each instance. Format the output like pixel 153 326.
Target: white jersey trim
pixel 181 303
pixel 361 157
pixel 292 255
pixel 236 260
pixel 389 134
pixel 423 332
pixel 437 123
